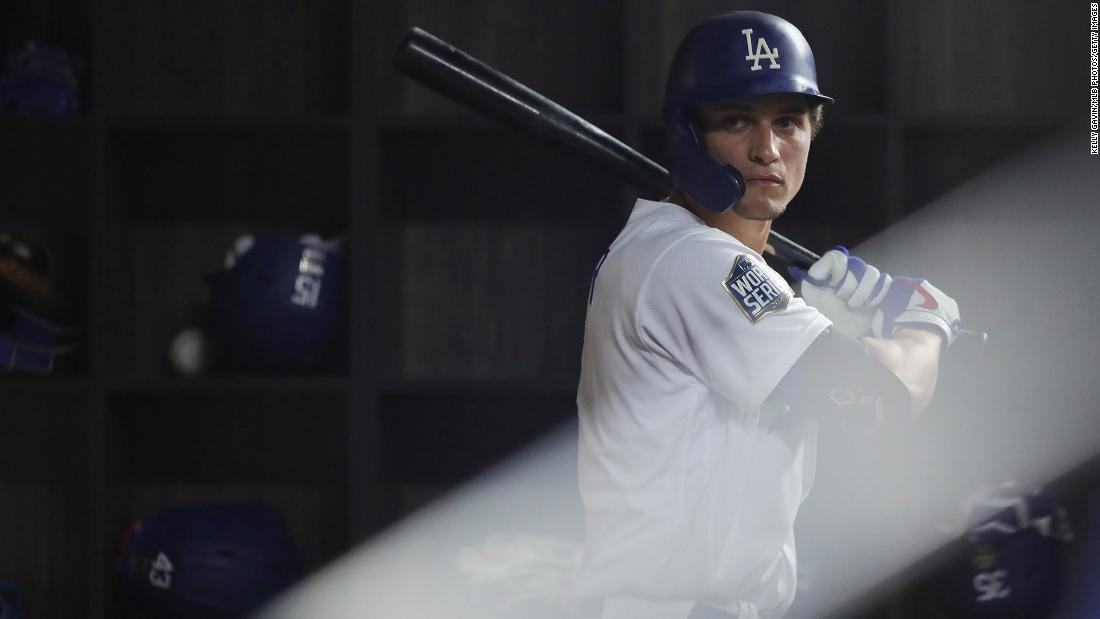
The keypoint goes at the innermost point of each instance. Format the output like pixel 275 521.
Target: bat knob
pixel 969 346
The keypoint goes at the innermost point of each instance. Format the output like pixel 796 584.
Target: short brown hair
pixel 817 118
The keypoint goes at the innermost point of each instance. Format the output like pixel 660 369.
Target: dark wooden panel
pixel 44 176
pixel 60 23
pixel 281 174
pixel 993 57
pixel 477 174
pixel 848 39
pixel 570 51
pixel 244 57
pixel 496 302
pixel 226 438
pixel 43 530
pixel 938 160
pixel 43 431
pixel 446 438
pixel 845 181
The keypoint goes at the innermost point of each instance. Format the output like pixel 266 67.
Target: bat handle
pixel 791 252
pixel 969 347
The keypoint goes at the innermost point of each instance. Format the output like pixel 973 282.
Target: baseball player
pixel 702 371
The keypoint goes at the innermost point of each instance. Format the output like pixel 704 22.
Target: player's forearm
pixel 913 355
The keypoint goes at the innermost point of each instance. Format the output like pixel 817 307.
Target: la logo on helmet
pixel 762 51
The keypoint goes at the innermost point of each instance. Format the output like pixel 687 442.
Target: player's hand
pixel 916 303
pixel 861 300
pixel 846 289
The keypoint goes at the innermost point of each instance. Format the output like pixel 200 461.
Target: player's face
pixel 767 138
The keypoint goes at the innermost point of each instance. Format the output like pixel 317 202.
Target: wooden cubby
pixel 470 245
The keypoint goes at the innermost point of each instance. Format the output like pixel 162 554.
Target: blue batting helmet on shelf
pixel 280 304
pixel 11 600
pixel 1010 564
pixel 219 561
pixel 730 56
pixel 35 324
pixel 39 80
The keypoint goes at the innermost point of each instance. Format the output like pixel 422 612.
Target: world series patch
pixel 756 293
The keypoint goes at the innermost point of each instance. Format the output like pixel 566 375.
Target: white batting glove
pixel 913 302
pixel 861 300
pixel 845 289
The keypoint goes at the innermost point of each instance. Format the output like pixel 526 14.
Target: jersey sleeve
pixel 719 313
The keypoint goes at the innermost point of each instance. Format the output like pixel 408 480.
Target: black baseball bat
pixel 459 76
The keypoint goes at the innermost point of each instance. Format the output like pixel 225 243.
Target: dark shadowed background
pixel 470 245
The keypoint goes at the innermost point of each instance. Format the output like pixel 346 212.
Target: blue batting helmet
pixel 39 80
pixel 36 329
pixel 1010 564
pixel 11 600
pixel 730 56
pixel 281 305
pixel 218 561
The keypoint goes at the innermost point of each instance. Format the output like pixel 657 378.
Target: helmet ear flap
pixel 715 185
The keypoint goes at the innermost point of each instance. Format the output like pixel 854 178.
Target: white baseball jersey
pixel 687 496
